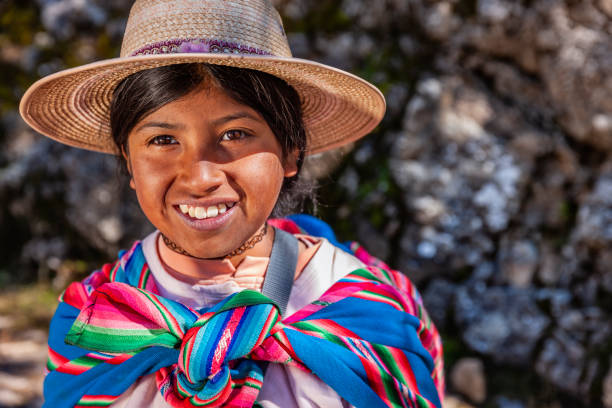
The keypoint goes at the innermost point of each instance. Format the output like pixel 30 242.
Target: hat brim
pixel 72 106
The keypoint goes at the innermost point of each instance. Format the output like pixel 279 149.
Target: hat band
pixel 197 45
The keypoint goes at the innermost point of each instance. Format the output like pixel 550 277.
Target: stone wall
pixel 489 181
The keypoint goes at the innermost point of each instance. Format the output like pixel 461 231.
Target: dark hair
pixel 277 102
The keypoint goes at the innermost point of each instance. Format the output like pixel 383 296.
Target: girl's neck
pixel 262 248
pixel 191 269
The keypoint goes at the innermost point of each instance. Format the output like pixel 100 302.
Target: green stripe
pixel 388 360
pixel 423 403
pixel 95 403
pixel 50 365
pixel 146 279
pixel 388 379
pixel 113 273
pixel 364 273
pixel 164 314
pixel 103 339
pixel 252 385
pixel 386 299
pixel 86 361
pixel 314 328
pixel 387 274
pixel 390 389
pixel 186 347
pixel 245 298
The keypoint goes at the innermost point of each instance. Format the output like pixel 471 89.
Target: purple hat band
pixel 197 45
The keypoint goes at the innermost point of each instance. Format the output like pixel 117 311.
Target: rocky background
pixel 489 181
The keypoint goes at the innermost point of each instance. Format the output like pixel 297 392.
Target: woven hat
pixel 72 106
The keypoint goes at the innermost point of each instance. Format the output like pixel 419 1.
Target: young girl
pixel 222 306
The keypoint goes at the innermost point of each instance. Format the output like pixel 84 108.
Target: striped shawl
pixel 368 337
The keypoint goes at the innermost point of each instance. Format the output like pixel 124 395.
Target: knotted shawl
pixel 368 337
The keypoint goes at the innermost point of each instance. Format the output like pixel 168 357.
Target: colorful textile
pixel 117 328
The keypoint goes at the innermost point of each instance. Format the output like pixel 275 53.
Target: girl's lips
pixel 207 224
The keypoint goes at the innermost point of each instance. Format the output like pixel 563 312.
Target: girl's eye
pixel 162 140
pixel 234 135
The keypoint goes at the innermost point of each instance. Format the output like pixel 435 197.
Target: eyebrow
pixel 216 122
pixel 235 116
pixel 164 125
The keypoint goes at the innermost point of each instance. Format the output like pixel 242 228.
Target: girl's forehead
pixel 205 102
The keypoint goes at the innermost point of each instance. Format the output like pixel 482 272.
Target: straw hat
pixel 72 106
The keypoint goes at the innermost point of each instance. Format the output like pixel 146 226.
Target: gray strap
pixel 281 269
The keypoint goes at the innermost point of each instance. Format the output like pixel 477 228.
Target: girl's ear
pixel 128 164
pixel 291 163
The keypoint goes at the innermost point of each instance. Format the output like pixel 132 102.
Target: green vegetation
pixel 29 306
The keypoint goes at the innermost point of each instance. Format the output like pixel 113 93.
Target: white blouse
pixel 283 386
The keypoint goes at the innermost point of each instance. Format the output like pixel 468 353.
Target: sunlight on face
pixel 207 171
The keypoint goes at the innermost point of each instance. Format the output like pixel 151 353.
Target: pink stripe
pixel 107 315
pixel 56 358
pixel 175 326
pixel 139 301
pixel 390 302
pixel 374 357
pixel 118 359
pixel 143 274
pixel 272 316
pixel 188 350
pixel 226 339
pixel 331 327
pixel 343 289
pixel 281 337
pixel 302 313
pixel 350 345
pixel 375 379
pixel 404 366
pixel 117 321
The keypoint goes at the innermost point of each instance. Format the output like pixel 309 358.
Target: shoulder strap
pixel 281 269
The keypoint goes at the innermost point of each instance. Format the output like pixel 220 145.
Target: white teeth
pixel 208 212
pixel 200 213
pixel 212 211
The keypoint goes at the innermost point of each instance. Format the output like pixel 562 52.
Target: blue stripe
pixel 337 367
pixel 134 265
pixel 184 316
pixel 218 328
pixel 241 334
pixel 427 388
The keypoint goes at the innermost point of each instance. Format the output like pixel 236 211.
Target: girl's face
pixel 207 171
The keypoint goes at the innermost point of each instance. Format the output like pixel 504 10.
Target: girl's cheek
pixel 149 172
pixel 266 172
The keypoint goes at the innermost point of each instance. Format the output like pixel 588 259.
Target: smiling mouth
pixel 201 213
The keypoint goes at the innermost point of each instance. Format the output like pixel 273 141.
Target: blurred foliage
pixel 28 306
pixel 30 52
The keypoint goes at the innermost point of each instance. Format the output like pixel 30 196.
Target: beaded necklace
pixel 250 243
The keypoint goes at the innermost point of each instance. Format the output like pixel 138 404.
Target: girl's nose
pixel 205 176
